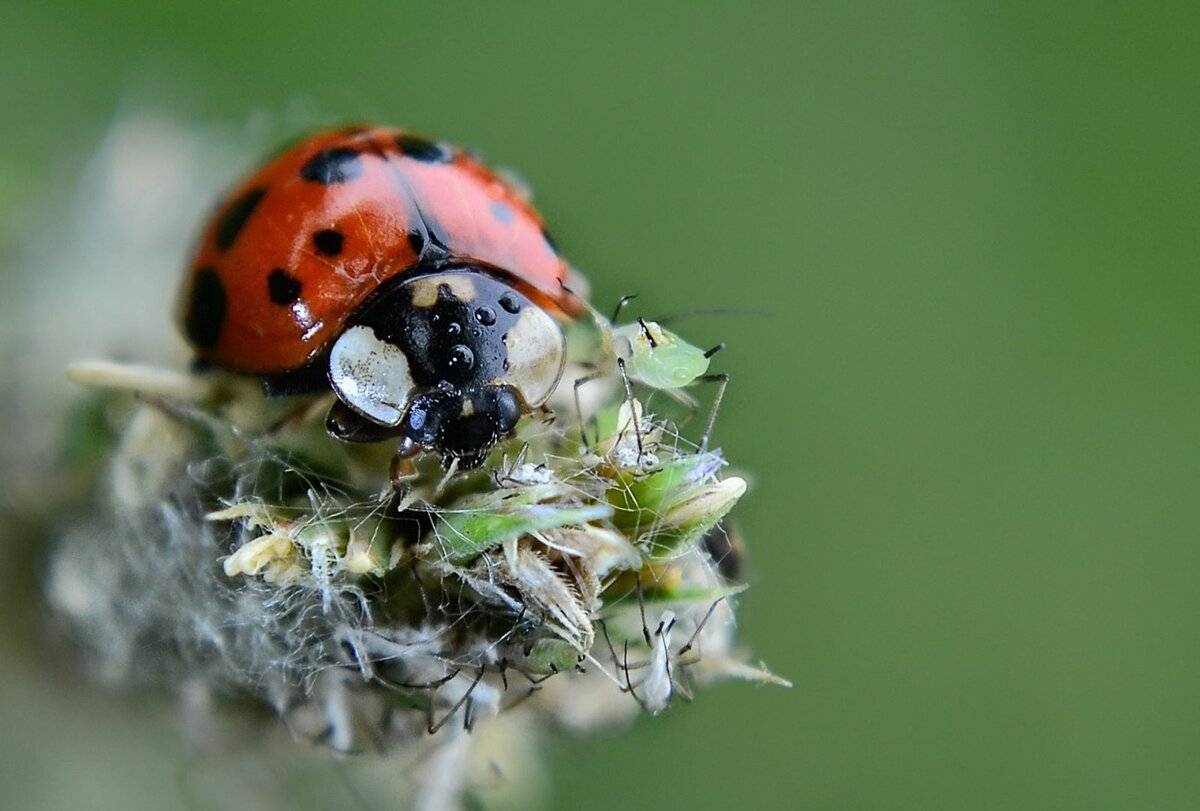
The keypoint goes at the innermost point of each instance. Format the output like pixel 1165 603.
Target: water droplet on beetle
pixel 461 357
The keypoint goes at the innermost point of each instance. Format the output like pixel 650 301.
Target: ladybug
pixel 400 272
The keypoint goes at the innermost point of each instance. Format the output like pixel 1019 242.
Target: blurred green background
pixel 964 242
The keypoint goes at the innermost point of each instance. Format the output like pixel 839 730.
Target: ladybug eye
pixel 369 375
pixel 536 355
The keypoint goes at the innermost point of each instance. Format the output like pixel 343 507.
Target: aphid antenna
pixel 621 304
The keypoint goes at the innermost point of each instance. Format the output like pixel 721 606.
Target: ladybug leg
pixel 403 469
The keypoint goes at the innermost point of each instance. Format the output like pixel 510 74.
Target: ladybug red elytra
pixel 400 272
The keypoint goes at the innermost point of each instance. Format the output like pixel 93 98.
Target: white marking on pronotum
pixel 536 355
pixel 369 375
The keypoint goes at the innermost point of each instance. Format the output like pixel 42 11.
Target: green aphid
pixel 657 357
pixel 551 655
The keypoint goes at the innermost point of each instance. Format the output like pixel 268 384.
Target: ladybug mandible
pixel 400 272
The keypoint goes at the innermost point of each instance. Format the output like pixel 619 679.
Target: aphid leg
pixel 662 633
pixel 637 429
pixel 612 650
pixel 539 679
pixel 642 608
pixel 696 633
pixel 629 684
pixel 449 474
pixel 429 685
pixel 433 728
pixel 722 381
pixel 579 382
pixel 416 576
pixel 522 699
pixel 681 689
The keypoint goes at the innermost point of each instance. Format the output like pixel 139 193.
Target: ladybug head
pixel 448 362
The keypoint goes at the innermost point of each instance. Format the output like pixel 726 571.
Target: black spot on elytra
pixel 422 149
pixel 549 240
pixel 328 242
pixel 416 241
pixel 332 166
pixel 234 217
pixel 206 309
pixel 282 287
